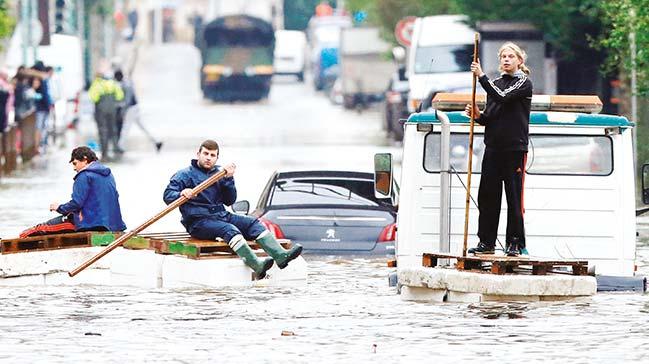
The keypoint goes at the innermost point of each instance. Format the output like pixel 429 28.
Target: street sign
pixel 403 30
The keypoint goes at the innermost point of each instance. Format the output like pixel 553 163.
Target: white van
pixel 290 53
pixel 440 57
pixel 579 185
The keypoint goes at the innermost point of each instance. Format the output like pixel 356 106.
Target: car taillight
pixel 389 233
pixel 272 227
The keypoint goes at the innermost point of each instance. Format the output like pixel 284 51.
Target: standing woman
pixel 506 119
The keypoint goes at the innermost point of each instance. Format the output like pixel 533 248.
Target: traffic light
pixel 59 16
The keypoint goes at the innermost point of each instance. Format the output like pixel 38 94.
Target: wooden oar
pixel 470 165
pixel 181 200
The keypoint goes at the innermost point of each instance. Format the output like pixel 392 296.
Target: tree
pixel 622 19
pixel 386 13
pixel 6 21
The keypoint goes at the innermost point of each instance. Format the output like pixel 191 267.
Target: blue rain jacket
pixel 208 203
pixel 95 201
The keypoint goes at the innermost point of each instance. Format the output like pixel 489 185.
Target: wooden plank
pixel 429 260
pixel 67 240
pixel 194 248
pixel 45 242
pixel 392 263
pixel 539 269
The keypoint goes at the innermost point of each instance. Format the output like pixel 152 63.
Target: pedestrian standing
pixel 43 102
pixel 106 94
pixel 506 119
pixel 6 99
pixel 126 105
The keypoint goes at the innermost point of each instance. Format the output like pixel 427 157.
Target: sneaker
pixel 483 248
pixel 512 250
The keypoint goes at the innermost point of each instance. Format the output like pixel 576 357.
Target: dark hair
pixel 209 144
pixel 119 76
pixel 81 153
pixel 49 68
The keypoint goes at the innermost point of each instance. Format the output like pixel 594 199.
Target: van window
pixel 570 154
pixel 444 58
pixel 588 155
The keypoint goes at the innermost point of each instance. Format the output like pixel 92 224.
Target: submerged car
pixel 328 212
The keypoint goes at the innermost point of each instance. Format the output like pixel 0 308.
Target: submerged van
pixel 440 57
pixel 579 184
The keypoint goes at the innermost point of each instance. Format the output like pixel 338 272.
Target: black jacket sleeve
pixel 522 88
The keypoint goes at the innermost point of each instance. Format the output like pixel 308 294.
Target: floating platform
pixel 149 260
pixel 495 278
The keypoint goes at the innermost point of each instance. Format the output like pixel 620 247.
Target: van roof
pixel 536 118
pixel 444 30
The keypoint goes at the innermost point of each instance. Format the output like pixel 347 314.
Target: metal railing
pixel 19 144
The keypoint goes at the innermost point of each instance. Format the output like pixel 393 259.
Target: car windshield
pixel 324 191
pixel 444 58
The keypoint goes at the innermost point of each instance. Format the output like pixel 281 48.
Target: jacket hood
pixel 95 167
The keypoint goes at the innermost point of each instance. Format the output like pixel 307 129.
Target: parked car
pixel 290 53
pixel 328 212
pixel 396 104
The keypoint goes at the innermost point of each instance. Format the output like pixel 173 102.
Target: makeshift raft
pixel 148 260
pixel 494 278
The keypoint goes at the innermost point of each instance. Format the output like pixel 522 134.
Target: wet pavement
pixel 346 311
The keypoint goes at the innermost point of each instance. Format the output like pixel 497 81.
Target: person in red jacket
pixel 506 119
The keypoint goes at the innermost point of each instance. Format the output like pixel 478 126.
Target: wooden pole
pixel 470 163
pixel 181 200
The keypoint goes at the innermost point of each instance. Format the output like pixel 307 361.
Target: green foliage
pixel 386 13
pixel 567 24
pixel 622 18
pixel 100 7
pixel 6 21
pixel 298 12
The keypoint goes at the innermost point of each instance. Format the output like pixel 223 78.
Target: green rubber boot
pixel 259 266
pixel 279 254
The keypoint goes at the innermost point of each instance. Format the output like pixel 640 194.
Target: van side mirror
pixel 645 183
pixel 241 207
pixel 383 175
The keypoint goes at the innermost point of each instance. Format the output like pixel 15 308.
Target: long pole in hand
pixel 470 163
pixel 181 200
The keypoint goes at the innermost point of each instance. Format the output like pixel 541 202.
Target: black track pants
pixel 500 167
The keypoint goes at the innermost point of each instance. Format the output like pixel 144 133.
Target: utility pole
pixel 634 84
pixel 32 12
pixel 157 23
pixel 24 22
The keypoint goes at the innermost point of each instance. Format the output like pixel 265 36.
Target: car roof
pixel 325 174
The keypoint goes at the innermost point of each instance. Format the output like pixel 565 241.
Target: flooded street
pixel 346 312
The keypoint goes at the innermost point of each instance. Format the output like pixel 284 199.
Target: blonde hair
pixel 522 56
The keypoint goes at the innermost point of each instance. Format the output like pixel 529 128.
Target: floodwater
pixel 344 313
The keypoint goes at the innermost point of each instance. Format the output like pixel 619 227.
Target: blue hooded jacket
pixel 207 203
pixel 95 201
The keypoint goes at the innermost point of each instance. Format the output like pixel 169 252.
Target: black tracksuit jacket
pixel 507 115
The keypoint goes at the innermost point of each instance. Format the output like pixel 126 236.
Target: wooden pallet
pixel 57 241
pixel 201 249
pixel 499 264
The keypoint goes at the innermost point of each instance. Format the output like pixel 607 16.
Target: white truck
pixel 364 67
pixel 579 186
pixel 439 58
